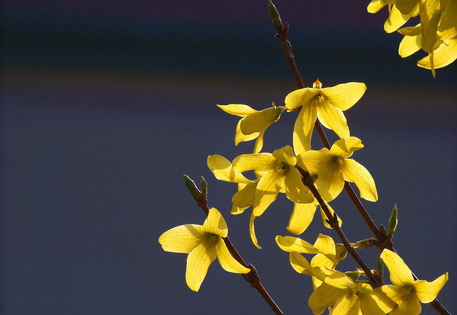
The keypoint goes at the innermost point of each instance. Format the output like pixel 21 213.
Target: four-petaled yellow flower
pixel 327 104
pixel 254 123
pixel 333 167
pixel 279 173
pixel 405 291
pixel 203 244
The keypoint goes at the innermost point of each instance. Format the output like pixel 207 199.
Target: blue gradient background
pixel 105 105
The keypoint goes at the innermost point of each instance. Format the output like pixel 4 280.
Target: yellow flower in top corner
pixel 254 123
pixel 203 244
pixel 436 35
pixel 279 173
pixel 327 104
pixel 333 167
pixel 405 291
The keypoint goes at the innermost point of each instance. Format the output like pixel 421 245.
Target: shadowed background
pixel 105 105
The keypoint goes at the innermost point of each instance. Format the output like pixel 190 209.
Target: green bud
pixel 365 243
pixel 204 185
pixel 393 221
pixel 354 275
pixel 190 184
pixel 380 267
pixel 274 15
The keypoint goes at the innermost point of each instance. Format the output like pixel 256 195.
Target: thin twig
pixel 307 180
pixel 384 240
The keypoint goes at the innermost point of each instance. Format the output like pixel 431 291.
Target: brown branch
pixel 332 220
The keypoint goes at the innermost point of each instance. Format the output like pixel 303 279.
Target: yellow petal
pixel 227 261
pixel 241 137
pixel 324 296
pixel 295 244
pixel 267 191
pixel 300 97
pixel 375 5
pixel 252 231
pixel 300 264
pixel 409 45
pixel 358 174
pixel 259 121
pixel 286 155
pixel 336 278
pixel 346 146
pixel 301 217
pixel 325 245
pixel 215 223
pixel 240 110
pixel 321 260
pixel 410 306
pixel 348 305
pixel 259 142
pixel 333 118
pixel 369 305
pixel 310 160
pixel 442 56
pixel 395 20
pixel 400 274
pixel 429 18
pixel 295 189
pixel 447 27
pixel 303 128
pixel 244 198
pixel 181 239
pixel 330 182
pixel 428 291
pixel 223 170
pixel 249 162
pixel 345 95
pixel 198 263
pixel 407 6
pixel 381 299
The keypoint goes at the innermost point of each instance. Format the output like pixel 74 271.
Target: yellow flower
pixel 436 35
pixel 333 167
pixel 279 173
pixel 326 104
pixel 337 289
pixel 203 244
pixel 254 123
pixel 400 11
pixel 405 291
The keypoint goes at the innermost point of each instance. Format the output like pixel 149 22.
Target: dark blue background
pixel 105 105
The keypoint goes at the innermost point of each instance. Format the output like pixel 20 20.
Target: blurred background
pixel 106 104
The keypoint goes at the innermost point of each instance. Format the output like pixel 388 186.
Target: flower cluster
pixel 281 172
pixel 277 172
pixel 344 293
pixel 436 34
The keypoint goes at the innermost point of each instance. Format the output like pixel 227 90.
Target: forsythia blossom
pixel 333 167
pixel 327 104
pixel 254 123
pixel 343 294
pixel 203 244
pixel 436 34
pixel 405 291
